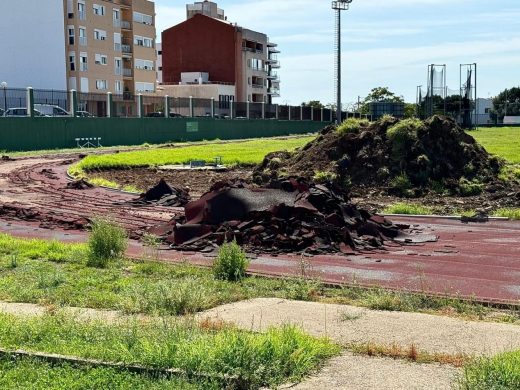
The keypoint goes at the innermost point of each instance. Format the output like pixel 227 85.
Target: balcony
pixel 126 25
pixel 273 50
pixel 273 92
pixel 128 72
pixel 273 76
pixel 126 49
pixel 255 85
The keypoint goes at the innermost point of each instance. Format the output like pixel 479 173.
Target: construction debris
pixel 296 218
pixel 164 195
pixel 80 184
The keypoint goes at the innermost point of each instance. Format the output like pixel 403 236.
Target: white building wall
pixel 32 46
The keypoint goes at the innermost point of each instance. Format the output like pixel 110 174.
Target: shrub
pixel 352 125
pixel 324 177
pixel 107 241
pixel 470 188
pixel 231 262
pixel 401 184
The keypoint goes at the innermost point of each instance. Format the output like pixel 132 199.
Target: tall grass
pixel 408 208
pixel 501 372
pixel 511 213
pixel 266 359
pixel 107 241
pixel 230 263
pixel 26 373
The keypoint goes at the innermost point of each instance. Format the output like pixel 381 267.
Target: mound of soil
pixel 164 195
pixel 293 219
pixel 424 153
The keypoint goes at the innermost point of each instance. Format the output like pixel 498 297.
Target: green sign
pixel 192 127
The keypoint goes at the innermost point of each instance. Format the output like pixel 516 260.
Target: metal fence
pixel 128 105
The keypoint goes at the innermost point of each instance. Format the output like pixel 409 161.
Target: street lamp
pixel 338 6
pixel 4 87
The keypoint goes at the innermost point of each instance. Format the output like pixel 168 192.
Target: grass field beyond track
pixel 242 153
pixel 502 141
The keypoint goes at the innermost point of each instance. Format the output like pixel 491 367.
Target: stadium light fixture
pixel 338 6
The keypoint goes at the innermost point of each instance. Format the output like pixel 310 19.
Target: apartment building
pixel 230 55
pixel 110 45
pixel 93 46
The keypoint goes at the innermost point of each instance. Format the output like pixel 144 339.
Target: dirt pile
pixel 401 155
pixel 293 219
pixel 80 184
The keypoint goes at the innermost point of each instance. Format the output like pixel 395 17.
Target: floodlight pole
pixel 338 6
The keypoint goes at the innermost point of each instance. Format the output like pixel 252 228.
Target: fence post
pixel 231 108
pixel 330 115
pixel 321 115
pixel 110 113
pixel 192 112
pixel 212 107
pixel 263 110
pixel 289 112
pixel 140 107
pixel 30 102
pixel 166 106
pixel 276 111
pixel 247 109
pixel 301 112
pixel 73 102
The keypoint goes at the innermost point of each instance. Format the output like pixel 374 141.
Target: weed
pixel 511 213
pixel 402 135
pixel 107 241
pixel 346 316
pixel 13 263
pixel 322 177
pixel 498 372
pixel 231 262
pixel 151 244
pixel 470 188
pixel 352 125
pixel 401 184
pixel 408 208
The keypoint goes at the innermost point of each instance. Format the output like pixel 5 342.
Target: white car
pixel 51 110
pixel 20 112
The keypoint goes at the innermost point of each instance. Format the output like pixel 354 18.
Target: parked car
pixel 51 110
pixel 2 112
pixel 20 112
pixel 84 114
pixel 160 114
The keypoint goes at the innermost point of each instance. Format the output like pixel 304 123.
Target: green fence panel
pixel 24 134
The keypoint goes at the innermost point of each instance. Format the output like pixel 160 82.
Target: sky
pixel 384 43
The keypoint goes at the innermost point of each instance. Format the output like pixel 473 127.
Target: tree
pixel 507 103
pixel 379 94
pixel 314 104
pixel 410 110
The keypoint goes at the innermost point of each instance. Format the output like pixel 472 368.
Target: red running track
pixel 475 260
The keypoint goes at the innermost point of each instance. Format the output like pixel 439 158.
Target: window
pixel 100 35
pixel 72 61
pixel 81 11
pixel 144 87
pixel 82 36
pixel 255 64
pixel 144 64
pixel 159 53
pixel 99 9
pixel 118 66
pixel 116 17
pixel 143 18
pixel 101 84
pixel 101 59
pixel 83 60
pixel 84 84
pixel 143 41
pixel 72 34
pixel 118 87
pixel 487 111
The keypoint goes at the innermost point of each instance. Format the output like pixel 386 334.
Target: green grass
pixel 262 359
pixel 501 372
pixel 51 273
pixel 409 209
pixel 502 141
pixel 26 373
pixel 242 153
pixel 511 213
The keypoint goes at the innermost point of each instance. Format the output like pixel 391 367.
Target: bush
pixel 107 241
pixel 470 188
pixel 231 262
pixel 352 125
pixel 401 184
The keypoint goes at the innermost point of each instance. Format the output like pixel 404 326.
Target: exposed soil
pixel 375 199
pixel 198 181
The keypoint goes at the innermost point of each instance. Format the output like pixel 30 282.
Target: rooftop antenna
pixel 338 6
